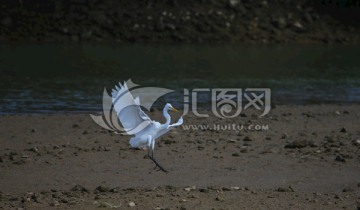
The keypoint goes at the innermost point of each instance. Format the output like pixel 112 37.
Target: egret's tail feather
pixel 138 142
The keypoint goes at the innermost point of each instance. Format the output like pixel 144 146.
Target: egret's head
pixel 170 107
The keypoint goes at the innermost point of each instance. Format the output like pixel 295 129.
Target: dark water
pixel 57 78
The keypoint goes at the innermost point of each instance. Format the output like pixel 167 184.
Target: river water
pixel 62 78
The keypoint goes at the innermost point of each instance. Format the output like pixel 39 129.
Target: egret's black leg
pixel 156 163
pixel 152 157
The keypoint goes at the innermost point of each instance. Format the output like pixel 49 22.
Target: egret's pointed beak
pixel 172 108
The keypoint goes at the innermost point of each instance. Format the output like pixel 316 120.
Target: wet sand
pixel 305 157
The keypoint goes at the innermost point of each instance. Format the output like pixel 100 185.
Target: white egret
pixel 136 122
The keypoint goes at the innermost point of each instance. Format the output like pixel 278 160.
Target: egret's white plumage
pixel 138 123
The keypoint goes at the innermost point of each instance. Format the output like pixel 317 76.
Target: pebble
pixel 19 162
pixel 101 189
pixel 64 200
pixel 204 190
pixel 188 189
pixel 236 154
pixel 280 23
pixel 79 188
pixel 75 126
pixel 226 189
pixel 269 150
pixel 37 198
pixel 55 203
pixel 57 194
pixel 343 130
pixel 98 197
pixel 284 136
pixel 102 204
pixel 168 141
pixel 348 189
pixel 233 3
pixel 170 187
pixel 339 158
pixel 357 142
pixel 13 156
pixel 249 138
pixel 285 189
pixel 329 139
pixel 115 190
pixel 318 194
pixel 219 199
pixel 231 141
pixel 244 150
pixel 131 204
pixel 311 143
pixel 35 149
pixel 297 144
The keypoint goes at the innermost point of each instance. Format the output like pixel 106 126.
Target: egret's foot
pixel 159 169
pixel 157 164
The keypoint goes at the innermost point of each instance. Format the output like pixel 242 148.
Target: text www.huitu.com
pixel 226 127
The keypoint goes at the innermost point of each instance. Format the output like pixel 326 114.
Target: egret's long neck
pixel 167 116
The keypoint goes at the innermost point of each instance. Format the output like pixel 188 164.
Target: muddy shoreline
pixel 307 157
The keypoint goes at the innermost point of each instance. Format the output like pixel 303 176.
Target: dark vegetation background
pixel 177 21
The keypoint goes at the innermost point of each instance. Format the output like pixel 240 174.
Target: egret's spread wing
pixel 132 118
pixel 161 132
pixel 179 122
